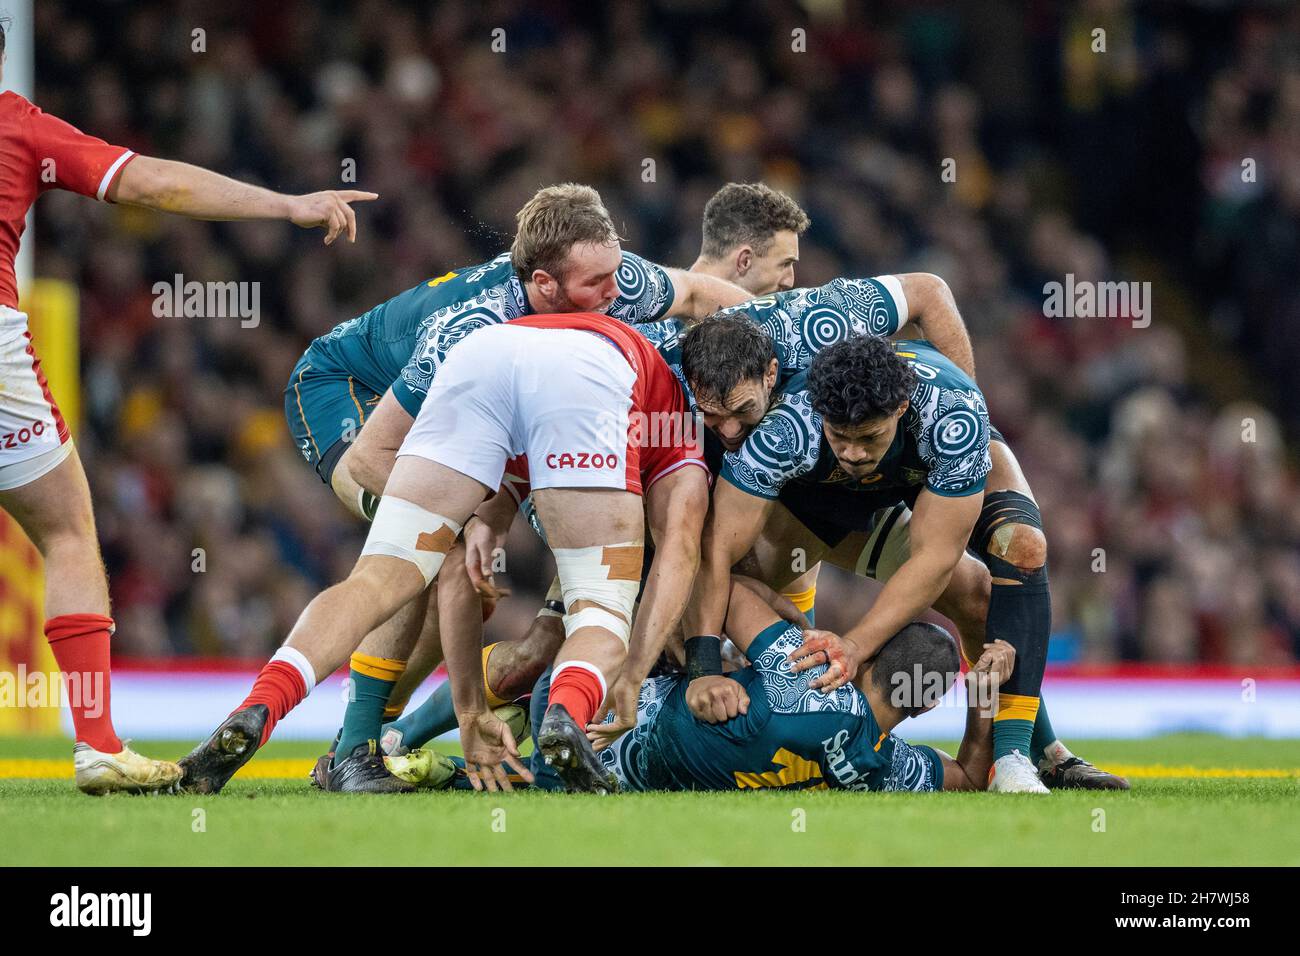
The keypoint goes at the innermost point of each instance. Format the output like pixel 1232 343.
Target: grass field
pixel 1196 800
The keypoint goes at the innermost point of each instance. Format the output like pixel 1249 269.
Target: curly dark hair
pixel 921 650
pixel 723 351
pixel 859 380
pixel 750 213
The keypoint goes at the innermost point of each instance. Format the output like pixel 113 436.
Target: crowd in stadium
pixel 1168 493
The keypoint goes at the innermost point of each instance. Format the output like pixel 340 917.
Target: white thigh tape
pixel 407 531
pixel 598 617
pixel 605 575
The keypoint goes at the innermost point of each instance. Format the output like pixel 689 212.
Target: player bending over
pixel 355 392
pixel 877 458
pixel 565 390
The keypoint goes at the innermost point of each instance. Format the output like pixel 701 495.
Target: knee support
pixel 407 531
pixel 1002 511
pixel 608 576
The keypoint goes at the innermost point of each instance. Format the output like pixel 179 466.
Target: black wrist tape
pixel 703 656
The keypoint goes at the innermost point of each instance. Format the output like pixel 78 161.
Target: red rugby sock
pixel 79 643
pixel 579 691
pixel 281 688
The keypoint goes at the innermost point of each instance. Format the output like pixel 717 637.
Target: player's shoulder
pixel 490 288
pixel 785 445
pixel 932 367
pixel 16 111
pixel 645 290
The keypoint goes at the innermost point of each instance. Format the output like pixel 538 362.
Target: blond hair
pixel 551 223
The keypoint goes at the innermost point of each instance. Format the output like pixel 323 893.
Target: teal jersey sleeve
pixel 949 422
pixel 785 445
pixel 645 291
pixel 802 322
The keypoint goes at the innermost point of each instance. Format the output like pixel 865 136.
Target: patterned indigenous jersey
pixel 793 737
pixel 39 152
pixel 802 322
pixel 942 441
pixel 402 342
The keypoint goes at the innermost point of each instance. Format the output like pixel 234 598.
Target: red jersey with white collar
pixel 39 152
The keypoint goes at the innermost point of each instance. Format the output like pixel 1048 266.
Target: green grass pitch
pixel 1183 814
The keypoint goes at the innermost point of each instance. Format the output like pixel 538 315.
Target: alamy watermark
pixel 1084 299
pixel 23 688
pixel 208 300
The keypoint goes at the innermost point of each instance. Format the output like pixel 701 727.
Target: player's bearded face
pixel 860 448
pixel 588 281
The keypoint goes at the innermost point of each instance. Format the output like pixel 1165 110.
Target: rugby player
pixel 795 737
pixel 750 237
pixel 850 460
pixel 353 395
pixel 566 390
pixel 42 483
pixel 802 320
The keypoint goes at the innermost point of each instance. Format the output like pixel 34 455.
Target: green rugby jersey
pixel 942 441
pixel 402 342
pixel 792 738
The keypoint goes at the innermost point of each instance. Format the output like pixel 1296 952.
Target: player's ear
pixel 769 380
pixel 544 282
pixel 744 260
pixel 902 409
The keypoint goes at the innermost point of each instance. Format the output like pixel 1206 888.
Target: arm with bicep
pixel 697 296
pixel 733 525
pixel 932 314
pixel 677 505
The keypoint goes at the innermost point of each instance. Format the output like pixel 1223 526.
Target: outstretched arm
pixel 940 528
pixel 169 186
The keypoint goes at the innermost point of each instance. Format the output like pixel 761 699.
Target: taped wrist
pixel 703 656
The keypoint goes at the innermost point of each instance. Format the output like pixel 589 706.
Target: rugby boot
pixel 362 771
pixel 126 771
pixel 210 765
pixel 1014 773
pixel 1077 774
pixel 565 748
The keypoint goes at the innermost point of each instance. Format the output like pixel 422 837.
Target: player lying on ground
pixel 42 483
pixel 560 387
pixel 566 257
pixel 869 432
pixel 802 320
pixel 793 736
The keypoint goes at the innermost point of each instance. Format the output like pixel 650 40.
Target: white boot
pixel 1015 773
pixel 124 772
